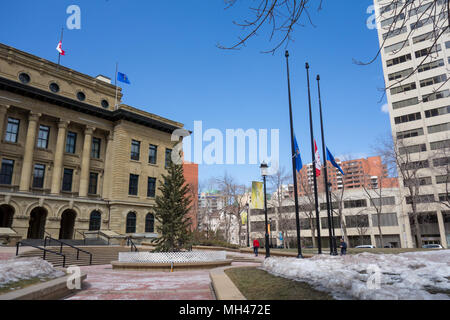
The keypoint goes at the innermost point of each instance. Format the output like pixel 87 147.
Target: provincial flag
pixel 298 158
pixel 123 78
pixel 60 50
pixel 333 161
pixel 317 160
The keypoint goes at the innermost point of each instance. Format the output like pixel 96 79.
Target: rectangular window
pixel 93 182
pixel 426 198
pixel 403 88
pixel 44 133
pixel 397 46
pixel 151 190
pixel 423 37
pixel 71 142
pixel 152 154
pixel 437 112
pixel 168 157
pixel 428 51
pixel 67 180
pixel 393 33
pixel 422 181
pixel 6 172
pixel 439 128
pixel 410 133
pixel 401 74
pixel 386 220
pixel 415 165
pixel 408 118
pixel 12 130
pixel 357 221
pixel 441 162
pixel 431 65
pixel 436 96
pixel 133 187
pixel 96 145
pixel 405 103
pixel 385 201
pixel 388 22
pixel 135 150
pixel 362 203
pixel 413 149
pixel 442 179
pixel 38 176
pixel 438 145
pixel 398 60
pixel 433 80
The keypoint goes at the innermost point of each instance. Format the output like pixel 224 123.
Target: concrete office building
pixel 416 70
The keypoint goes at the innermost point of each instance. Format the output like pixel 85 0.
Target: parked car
pixel 432 246
pixel 366 246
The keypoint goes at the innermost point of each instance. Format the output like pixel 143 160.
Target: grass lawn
pixel 21 284
pixel 256 284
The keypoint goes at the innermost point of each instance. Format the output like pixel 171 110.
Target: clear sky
pixel 168 50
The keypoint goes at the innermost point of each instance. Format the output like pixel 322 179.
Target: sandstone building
pixel 70 160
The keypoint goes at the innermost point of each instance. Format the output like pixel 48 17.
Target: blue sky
pixel 168 50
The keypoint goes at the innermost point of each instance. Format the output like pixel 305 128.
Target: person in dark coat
pixel 255 247
pixel 343 247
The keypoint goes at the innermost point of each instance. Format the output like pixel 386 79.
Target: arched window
pixel 150 223
pixel 131 223
pixel 95 221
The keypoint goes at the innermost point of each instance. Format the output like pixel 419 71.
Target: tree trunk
pixel 379 230
pixel 418 232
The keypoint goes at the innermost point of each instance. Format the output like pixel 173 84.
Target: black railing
pixel 131 243
pixel 69 245
pixel 44 255
pixel 83 235
pixel 104 236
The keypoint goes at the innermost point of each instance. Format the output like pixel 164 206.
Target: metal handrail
pixel 43 249
pixel 103 235
pixel 83 235
pixel 130 242
pixel 69 245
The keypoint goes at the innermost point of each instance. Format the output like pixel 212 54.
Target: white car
pixel 366 246
pixel 432 246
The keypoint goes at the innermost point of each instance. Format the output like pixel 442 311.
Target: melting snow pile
pixel 23 269
pixel 412 275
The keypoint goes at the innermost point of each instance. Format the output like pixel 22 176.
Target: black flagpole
pixel 294 170
pixel 325 167
pixel 316 197
pixel 59 53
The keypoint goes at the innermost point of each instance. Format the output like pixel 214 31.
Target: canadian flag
pixel 60 50
pixel 318 163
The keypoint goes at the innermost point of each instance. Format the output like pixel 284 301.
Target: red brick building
pixel 191 177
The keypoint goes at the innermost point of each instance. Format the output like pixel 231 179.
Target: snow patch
pixel 367 276
pixel 22 269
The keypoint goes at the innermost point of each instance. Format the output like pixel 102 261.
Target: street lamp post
pixel 248 231
pixel 270 232
pixel 264 172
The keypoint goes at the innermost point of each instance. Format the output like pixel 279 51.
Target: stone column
pixel 107 175
pixel 85 162
pixel 27 164
pixel 3 110
pixel 59 157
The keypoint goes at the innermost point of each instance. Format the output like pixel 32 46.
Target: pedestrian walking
pixel 255 247
pixel 343 247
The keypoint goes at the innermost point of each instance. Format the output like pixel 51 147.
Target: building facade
pixel 70 160
pixel 358 218
pixel 416 68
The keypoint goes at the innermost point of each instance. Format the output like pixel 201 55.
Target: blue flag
pixel 298 158
pixel 123 78
pixel 333 162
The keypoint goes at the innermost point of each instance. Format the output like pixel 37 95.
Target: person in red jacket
pixel 255 246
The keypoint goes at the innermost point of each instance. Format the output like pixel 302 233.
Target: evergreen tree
pixel 172 208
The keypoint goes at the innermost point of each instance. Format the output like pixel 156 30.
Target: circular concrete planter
pixel 168 267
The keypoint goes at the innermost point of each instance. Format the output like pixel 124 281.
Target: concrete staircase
pixel 101 255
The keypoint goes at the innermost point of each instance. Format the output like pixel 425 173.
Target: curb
pixel 51 290
pixel 224 288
